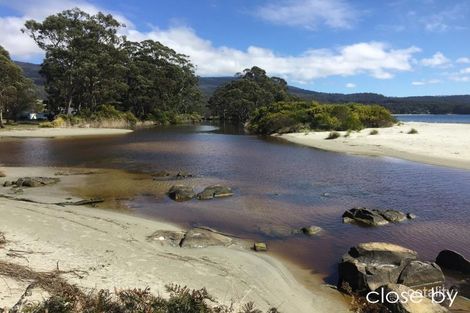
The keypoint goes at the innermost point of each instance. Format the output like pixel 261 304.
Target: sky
pixel 394 47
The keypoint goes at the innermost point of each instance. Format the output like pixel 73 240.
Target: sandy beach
pixel 60 132
pixel 113 250
pixel 435 143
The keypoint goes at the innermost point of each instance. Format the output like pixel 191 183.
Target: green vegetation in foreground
pixel 298 116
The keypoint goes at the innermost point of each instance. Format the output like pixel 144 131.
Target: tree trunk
pixel 1 119
pixel 69 105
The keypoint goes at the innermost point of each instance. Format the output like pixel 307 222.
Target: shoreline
pixel 113 249
pixel 439 144
pixel 61 132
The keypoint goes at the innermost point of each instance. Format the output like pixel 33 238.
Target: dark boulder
pixel 452 260
pixel 181 193
pixel 215 191
pixel 418 274
pixel 364 216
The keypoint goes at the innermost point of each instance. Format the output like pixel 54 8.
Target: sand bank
pixel 435 143
pixel 60 132
pixel 115 252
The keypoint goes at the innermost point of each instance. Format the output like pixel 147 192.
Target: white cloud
pixel 20 45
pixel 465 71
pixel 425 82
pixel 309 14
pixel 373 58
pixel 463 60
pixel 437 60
pixel 350 85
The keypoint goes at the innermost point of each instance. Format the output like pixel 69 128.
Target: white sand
pixel 435 143
pixel 113 249
pixel 60 132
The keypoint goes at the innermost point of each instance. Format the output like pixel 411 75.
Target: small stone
pixel 410 216
pixel 311 230
pixel 260 246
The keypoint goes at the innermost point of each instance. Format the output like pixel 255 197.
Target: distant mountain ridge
pixel 458 104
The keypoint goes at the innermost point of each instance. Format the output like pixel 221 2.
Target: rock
pixel 215 191
pixel 393 216
pixel 260 246
pixel 7 184
pixel 371 265
pixel 36 181
pixel 201 238
pixel 423 305
pixel 410 216
pixel 418 274
pixel 364 216
pixel 167 237
pixel 183 174
pixel 2 174
pixel 452 260
pixel 181 193
pixel 161 174
pixel 311 230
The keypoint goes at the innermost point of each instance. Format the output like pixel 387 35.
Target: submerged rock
pixel 35 181
pixel 215 191
pixel 454 261
pixel 181 193
pixel 311 230
pixel 275 230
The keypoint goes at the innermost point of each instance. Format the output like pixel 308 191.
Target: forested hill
pixel 459 104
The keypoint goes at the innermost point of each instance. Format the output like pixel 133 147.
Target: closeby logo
pixel 438 295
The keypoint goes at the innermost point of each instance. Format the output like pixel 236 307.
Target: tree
pixel 83 66
pixel 253 89
pixel 16 91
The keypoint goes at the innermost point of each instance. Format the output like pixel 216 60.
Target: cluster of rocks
pixel 374 217
pixel 283 231
pixel 165 175
pixel 32 182
pixel 185 193
pixel 376 266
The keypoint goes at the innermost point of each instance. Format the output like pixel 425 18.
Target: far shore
pixel 435 143
pixel 114 250
pixel 36 132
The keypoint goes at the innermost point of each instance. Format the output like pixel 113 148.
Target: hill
pixel 458 104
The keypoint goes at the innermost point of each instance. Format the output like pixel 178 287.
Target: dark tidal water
pixel 277 185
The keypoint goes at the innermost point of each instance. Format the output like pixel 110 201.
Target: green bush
pixel 413 131
pixel 333 135
pixel 286 115
pixel 374 132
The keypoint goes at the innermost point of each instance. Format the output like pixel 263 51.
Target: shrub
pixel 333 135
pixel 348 133
pixel 413 131
pixel 46 125
pixel 374 132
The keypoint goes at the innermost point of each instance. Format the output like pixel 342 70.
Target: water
pixel 434 118
pixel 277 185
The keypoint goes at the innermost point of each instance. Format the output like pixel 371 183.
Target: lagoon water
pixel 434 118
pixel 277 186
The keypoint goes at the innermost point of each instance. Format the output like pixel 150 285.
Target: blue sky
pixel 396 47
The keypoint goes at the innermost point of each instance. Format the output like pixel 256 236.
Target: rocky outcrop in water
pixel 454 261
pixel 369 266
pixel 32 182
pixel 374 217
pixel 215 191
pixel 181 193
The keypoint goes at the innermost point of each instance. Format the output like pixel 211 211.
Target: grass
pixel 333 135
pixel 374 132
pixel 413 131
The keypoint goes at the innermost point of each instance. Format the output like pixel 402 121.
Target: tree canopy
pixel 16 91
pixel 88 64
pixel 253 89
